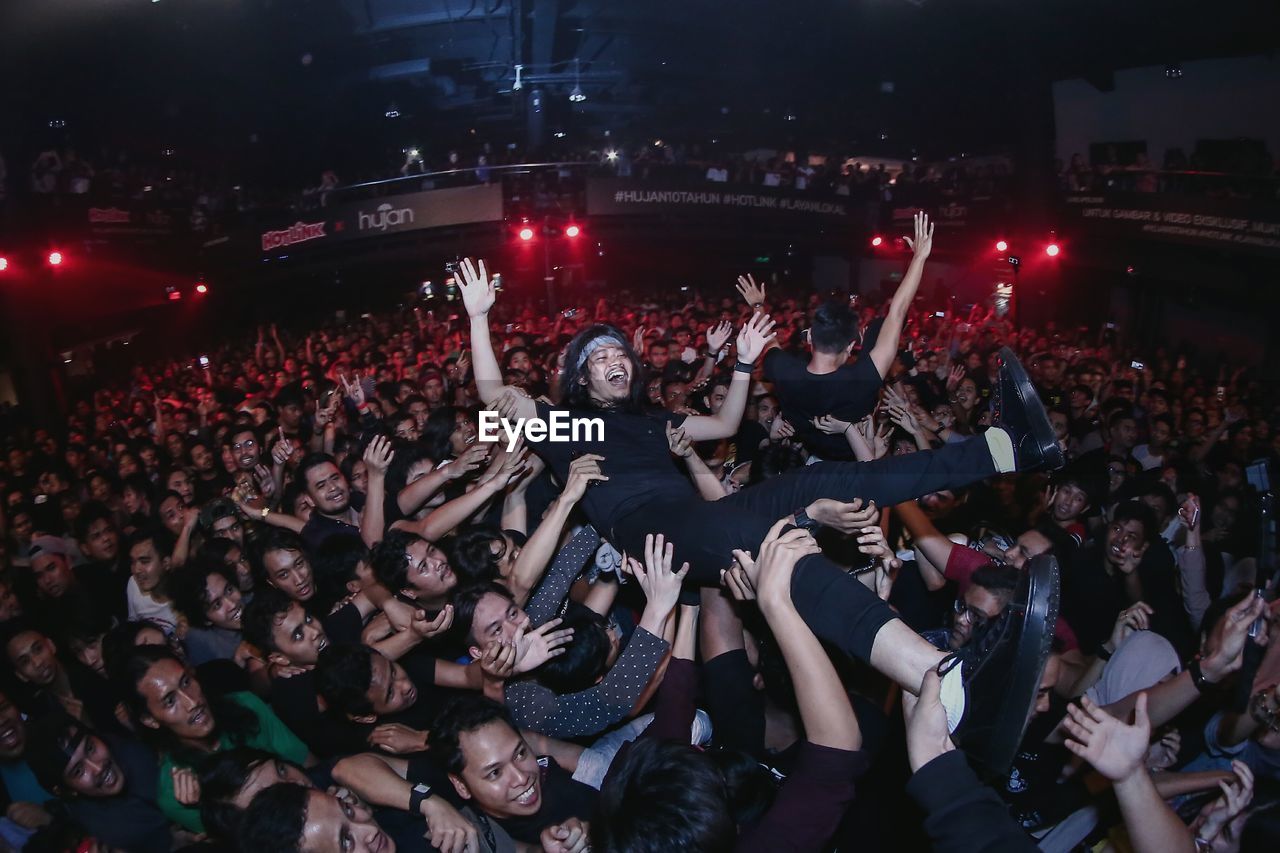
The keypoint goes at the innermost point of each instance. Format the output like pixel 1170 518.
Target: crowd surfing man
pixel 639 494
pixel 357 626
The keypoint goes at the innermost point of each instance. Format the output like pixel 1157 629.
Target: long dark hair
pixel 574 377
pixel 229 718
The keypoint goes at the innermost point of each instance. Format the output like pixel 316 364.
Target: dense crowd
pixel 299 599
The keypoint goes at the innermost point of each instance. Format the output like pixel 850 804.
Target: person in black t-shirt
pixel 828 384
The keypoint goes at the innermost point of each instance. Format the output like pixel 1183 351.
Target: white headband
pixel 595 344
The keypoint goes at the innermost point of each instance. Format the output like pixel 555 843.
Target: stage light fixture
pixel 1052 250
pixel 4 263
pixel 55 259
pixel 572 231
pixel 611 155
pixel 202 288
pixel 526 233
pixel 1002 246
pixel 172 293
pixel 877 241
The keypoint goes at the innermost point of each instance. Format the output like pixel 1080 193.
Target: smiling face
pixel 13 731
pixel 244 449
pixel 91 771
pixel 290 572
pixel 608 374
pixel 223 602
pixel 501 774
pixel 1123 539
pixel 175 701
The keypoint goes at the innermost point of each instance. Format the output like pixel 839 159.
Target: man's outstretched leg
pixel 989 686
pixel 1022 439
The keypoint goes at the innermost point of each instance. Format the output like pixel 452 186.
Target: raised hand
pixel 928 735
pixel 679 443
pixel 499 660
pixel 719 336
pixel 739 580
pixel 831 425
pixel 266 483
pixel 1237 793
pixel 1115 749
pixel 661 585
pixel 755 337
pixel 478 289
pixel 471 459
pixel 637 341
pixel 845 517
pixel 779 554
pixel 753 293
pixel 583 471
pixel 354 390
pixel 1135 618
pixel 536 647
pixel 1225 644
pixel 378 456
pixel 428 628
pixel 1189 512
pixel 922 244
pixel 954 376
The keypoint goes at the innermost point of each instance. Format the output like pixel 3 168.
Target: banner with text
pixel 387 215
pixel 616 196
pixel 1243 224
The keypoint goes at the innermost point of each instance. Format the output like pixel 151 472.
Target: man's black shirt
pixel 849 393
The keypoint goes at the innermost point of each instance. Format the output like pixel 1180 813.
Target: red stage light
pixel 202 288
pixel 1052 250
pixel 175 295
pixel 526 233
pixel 572 231
pixel 4 264
pixel 55 258
pixel 1002 246
pixel 877 241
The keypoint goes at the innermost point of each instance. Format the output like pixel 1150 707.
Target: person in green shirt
pixel 185 725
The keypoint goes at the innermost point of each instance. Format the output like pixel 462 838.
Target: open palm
pixel 1115 749
pixel 478 290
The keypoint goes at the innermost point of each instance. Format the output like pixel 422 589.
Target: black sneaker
pixel 1001 668
pixel 1016 408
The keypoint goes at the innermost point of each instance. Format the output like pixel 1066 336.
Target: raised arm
pixel 377 458
pixel 752 340
pixel 478 295
pixel 824 706
pixel 541 547
pixel 885 349
pixel 1117 750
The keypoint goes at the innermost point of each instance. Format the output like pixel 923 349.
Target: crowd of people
pixel 831 576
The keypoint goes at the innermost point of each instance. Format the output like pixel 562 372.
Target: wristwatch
pixel 418 795
pixel 801 519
